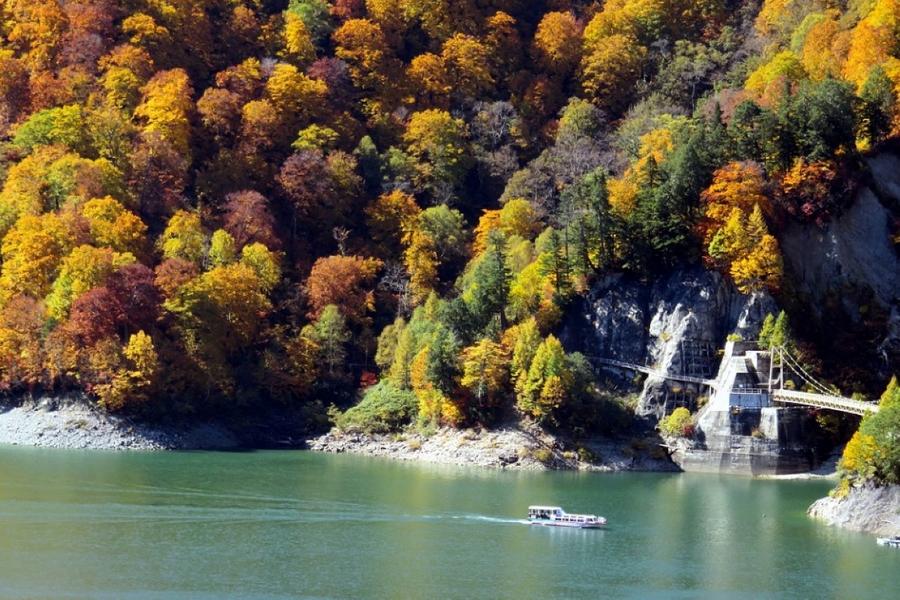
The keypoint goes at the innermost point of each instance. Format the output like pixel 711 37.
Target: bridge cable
pixel 795 365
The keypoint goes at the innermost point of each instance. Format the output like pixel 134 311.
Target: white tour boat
pixel 891 542
pixel 554 516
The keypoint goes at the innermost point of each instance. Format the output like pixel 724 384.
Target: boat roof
pixel 539 507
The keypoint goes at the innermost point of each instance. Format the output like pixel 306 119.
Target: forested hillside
pixel 214 206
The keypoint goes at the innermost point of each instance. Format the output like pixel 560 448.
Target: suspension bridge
pixel 816 394
pixel 821 395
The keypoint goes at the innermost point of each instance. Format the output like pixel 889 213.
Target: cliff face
pixel 850 267
pixel 836 277
pixel 853 250
pixel 676 324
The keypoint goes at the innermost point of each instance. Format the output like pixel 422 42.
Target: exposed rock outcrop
pixel 676 324
pixel 75 423
pixel 851 263
pixel 869 508
pixel 514 447
pixel 853 250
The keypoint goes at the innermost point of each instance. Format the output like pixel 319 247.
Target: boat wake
pixel 486 519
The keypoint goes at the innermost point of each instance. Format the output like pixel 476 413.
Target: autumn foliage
pixel 212 207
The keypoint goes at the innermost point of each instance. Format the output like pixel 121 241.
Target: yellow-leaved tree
pixel 133 384
pixel 183 237
pixel 298 46
pixel 32 253
pixel 736 185
pixel 744 248
pixel 467 65
pixel 166 108
pixel 485 371
pixel 653 148
pixel 557 42
pixel 609 69
pixel 434 406
pixel 544 388
pixel 113 226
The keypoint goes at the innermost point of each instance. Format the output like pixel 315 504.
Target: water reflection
pixel 283 524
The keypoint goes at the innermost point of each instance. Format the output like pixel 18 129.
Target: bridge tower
pixel 776 353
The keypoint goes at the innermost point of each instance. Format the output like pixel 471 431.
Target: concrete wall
pixel 725 442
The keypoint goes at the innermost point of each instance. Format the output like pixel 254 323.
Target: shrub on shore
pixel 678 424
pixel 384 408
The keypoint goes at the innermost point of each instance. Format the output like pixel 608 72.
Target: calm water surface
pixel 76 524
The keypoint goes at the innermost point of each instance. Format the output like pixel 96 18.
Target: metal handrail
pixel 651 371
pixel 858 407
pixel 740 390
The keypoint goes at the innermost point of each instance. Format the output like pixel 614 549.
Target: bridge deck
pixel 857 407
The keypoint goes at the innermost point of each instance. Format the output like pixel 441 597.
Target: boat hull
pixel 568 525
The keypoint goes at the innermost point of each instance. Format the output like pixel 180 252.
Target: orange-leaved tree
pixel 344 281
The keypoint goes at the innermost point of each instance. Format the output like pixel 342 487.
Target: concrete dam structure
pixel 740 429
pixel 755 421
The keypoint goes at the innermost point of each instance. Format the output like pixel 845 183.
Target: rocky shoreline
pixel 514 447
pixel 74 423
pixel 869 509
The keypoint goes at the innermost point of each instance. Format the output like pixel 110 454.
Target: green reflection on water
pixel 295 524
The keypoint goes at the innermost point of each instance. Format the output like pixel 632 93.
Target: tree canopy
pixel 222 206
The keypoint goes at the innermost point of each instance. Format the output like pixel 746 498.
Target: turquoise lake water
pixel 81 524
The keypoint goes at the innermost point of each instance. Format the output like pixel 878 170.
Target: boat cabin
pixel 544 512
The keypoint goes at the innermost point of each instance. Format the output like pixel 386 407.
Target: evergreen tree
pixel 659 234
pixel 717 146
pixel 490 283
pixel 776 332
pixel 457 316
pixel 778 142
pixel 593 227
pixel 442 368
pixel 689 171
pixel 781 334
pixel 554 263
pixel 743 131
pixel 820 119
pixel 876 106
